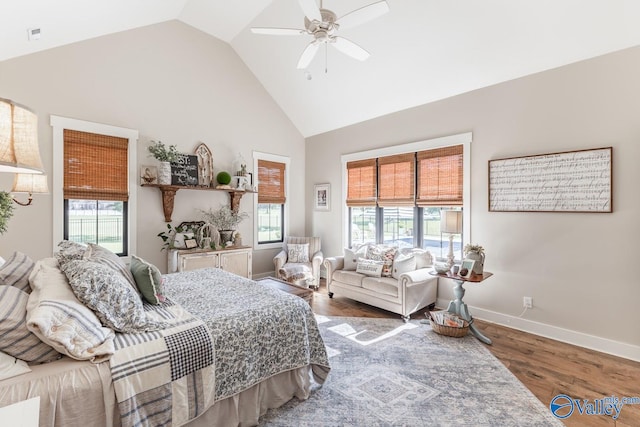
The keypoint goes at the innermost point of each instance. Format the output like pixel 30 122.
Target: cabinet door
pixel 237 263
pixel 188 262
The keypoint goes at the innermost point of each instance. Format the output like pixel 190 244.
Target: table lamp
pixel 451 223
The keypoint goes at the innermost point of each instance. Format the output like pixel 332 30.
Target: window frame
pixel 59 124
pixel 257 155
pixel 463 139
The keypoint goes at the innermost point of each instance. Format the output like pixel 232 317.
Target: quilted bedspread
pixel 257 332
pixel 165 377
pixel 225 335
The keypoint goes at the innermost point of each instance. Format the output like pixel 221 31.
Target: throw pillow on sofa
pixel 403 263
pixel 385 254
pixel 351 256
pixel 370 267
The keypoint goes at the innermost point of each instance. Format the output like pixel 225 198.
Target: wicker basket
pixel 450 331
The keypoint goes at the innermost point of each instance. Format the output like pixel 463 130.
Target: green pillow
pixel 148 279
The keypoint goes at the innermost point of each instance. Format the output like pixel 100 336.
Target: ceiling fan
pixel 323 25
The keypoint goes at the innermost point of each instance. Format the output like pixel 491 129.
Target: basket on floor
pixel 450 331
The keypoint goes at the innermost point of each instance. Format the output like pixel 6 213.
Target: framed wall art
pixel 322 197
pixel 570 181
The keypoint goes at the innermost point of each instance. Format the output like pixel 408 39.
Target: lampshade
pixel 451 222
pixel 19 152
pixel 30 183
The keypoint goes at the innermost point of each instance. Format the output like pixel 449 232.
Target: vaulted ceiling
pixel 421 50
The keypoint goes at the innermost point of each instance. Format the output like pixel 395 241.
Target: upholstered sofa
pixel 407 288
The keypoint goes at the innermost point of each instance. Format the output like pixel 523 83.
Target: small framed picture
pixel 466 268
pixel 148 174
pixel 190 243
pixel 322 197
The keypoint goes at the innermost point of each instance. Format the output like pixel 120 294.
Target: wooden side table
pixel 459 307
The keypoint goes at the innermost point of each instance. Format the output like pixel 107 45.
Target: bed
pixel 229 349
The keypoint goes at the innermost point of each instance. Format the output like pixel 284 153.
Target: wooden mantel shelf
pixel 169 194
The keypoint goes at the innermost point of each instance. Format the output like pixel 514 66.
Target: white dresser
pixel 235 260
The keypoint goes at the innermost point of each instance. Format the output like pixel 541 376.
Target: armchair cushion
pixel 298 252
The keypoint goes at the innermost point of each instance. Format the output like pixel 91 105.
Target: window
pixel 410 189
pixel 271 200
pixel 94 170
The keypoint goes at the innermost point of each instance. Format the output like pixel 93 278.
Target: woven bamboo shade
pixel 440 177
pixel 361 183
pixel 271 182
pixel 396 180
pixel 95 166
pixel 19 151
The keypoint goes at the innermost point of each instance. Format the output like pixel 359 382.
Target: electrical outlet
pixel 527 302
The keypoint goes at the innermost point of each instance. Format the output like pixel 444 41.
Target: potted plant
pixel 6 210
pixel 476 253
pixel 225 220
pixel 165 155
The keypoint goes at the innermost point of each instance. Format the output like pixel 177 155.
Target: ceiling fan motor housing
pixel 327 25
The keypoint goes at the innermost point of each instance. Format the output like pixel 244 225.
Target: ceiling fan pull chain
pixel 326 56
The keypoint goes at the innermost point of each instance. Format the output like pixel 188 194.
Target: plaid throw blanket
pixel 165 377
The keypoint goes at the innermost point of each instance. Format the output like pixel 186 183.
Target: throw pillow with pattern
pixel 15 272
pixel 108 294
pixel 385 254
pixel 298 252
pixel 370 267
pixel 97 253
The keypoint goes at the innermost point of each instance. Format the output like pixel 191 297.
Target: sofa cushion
pixel 403 264
pixel 385 254
pixel 351 256
pixel 381 285
pixel 348 277
pixel 370 267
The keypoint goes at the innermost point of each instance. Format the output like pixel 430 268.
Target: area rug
pixel 388 373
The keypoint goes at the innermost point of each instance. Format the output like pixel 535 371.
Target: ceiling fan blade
pixel 350 48
pixel 311 10
pixel 364 14
pixel 308 54
pixel 277 31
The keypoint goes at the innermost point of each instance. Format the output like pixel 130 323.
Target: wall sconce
pixel 19 152
pixel 451 222
pixel 29 183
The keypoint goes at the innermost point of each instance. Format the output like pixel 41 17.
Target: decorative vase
pixel 164 173
pixel 478 267
pixel 226 236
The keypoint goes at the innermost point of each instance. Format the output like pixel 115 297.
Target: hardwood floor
pixel 546 367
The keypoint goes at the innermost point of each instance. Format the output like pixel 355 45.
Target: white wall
pixel 172 83
pixel 579 268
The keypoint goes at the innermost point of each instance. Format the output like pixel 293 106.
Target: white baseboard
pixel 263 275
pixel 581 339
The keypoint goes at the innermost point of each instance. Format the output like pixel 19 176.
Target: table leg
pixel 460 308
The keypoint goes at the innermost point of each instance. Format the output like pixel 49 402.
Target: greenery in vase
pixel 473 248
pixel 168 236
pixel 6 210
pixel 224 218
pixel 163 153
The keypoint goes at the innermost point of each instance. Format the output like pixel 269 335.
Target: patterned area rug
pixel 388 373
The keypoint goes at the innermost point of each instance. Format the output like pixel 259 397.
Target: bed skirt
pixel 92 392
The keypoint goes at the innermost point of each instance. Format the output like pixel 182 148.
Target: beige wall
pixel 172 83
pixel 580 269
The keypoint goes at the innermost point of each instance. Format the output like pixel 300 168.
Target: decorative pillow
pixel 69 251
pixel 15 272
pixel 109 295
pixel 12 367
pixel 105 257
pixel 383 253
pixel 423 258
pixel 351 256
pixel 403 264
pixel 15 339
pixel 370 267
pixel 148 280
pixel 55 315
pixel 298 252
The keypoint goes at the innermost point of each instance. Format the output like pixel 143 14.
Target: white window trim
pixel 257 155
pixel 59 124
pixel 463 139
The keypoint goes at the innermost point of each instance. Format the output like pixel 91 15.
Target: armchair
pixel 299 261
